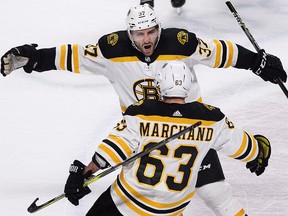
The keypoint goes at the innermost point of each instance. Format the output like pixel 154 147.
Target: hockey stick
pixel 252 40
pixel 34 208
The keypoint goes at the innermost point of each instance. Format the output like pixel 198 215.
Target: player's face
pixel 145 40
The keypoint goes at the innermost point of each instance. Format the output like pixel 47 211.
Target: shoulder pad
pixel 177 42
pixel 116 44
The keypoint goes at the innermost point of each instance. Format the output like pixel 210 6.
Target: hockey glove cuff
pixel 269 67
pixel 74 189
pixel 261 162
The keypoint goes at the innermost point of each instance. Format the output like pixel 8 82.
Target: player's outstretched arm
pixel 259 164
pixel 26 56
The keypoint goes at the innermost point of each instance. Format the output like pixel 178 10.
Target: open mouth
pixel 147 47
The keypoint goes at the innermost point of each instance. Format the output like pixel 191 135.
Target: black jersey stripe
pixel 116 148
pixel 224 53
pixel 69 58
pixel 147 208
pixel 248 150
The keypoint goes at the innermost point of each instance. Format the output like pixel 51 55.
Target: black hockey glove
pixel 177 3
pixel 261 162
pixel 269 67
pixel 74 189
pixel 26 56
pixel 150 2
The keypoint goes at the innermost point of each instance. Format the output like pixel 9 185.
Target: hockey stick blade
pixel 34 208
pixel 252 40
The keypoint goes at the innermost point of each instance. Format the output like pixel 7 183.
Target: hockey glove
pixel 177 3
pixel 261 162
pixel 26 56
pixel 150 2
pixel 74 189
pixel 269 67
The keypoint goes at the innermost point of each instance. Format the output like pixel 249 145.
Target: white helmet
pixel 141 17
pixel 174 79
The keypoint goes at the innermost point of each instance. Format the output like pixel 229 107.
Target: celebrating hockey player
pixel 163 182
pixel 129 58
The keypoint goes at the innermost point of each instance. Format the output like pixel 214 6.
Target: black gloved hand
pixel 269 67
pixel 150 2
pixel 74 189
pixel 259 164
pixel 177 3
pixel 26 56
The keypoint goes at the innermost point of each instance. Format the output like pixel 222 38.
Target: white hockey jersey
pixel 163 182
pixel 130 72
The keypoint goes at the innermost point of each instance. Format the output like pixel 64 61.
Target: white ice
pixel 49 119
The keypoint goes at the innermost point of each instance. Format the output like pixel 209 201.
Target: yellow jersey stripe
pixel 135 58
pixel 171 57
pixel 240 213
pixel 109 152
pixel 75 49
pixel 125 59
pixel 151 202
pixel 218 53
pixel 128 202
pixel 63 53
pixel 252 153
pixel 230 54
pixel 123 108
pixel 242 147
pixel 123 144
pixel 199 100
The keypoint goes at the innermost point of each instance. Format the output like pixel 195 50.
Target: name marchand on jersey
pixel 164 130
pixel 156 124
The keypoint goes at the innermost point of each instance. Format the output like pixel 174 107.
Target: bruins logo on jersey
pixel 209 107
pixel 112 39
pixel 144 90
pixel 182 37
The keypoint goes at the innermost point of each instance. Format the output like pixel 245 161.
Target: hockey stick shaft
pixel 34 208
pixel 252 40
pixel 143 153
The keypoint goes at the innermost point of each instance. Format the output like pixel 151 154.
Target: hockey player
pixel 163 182
pixel 128 58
